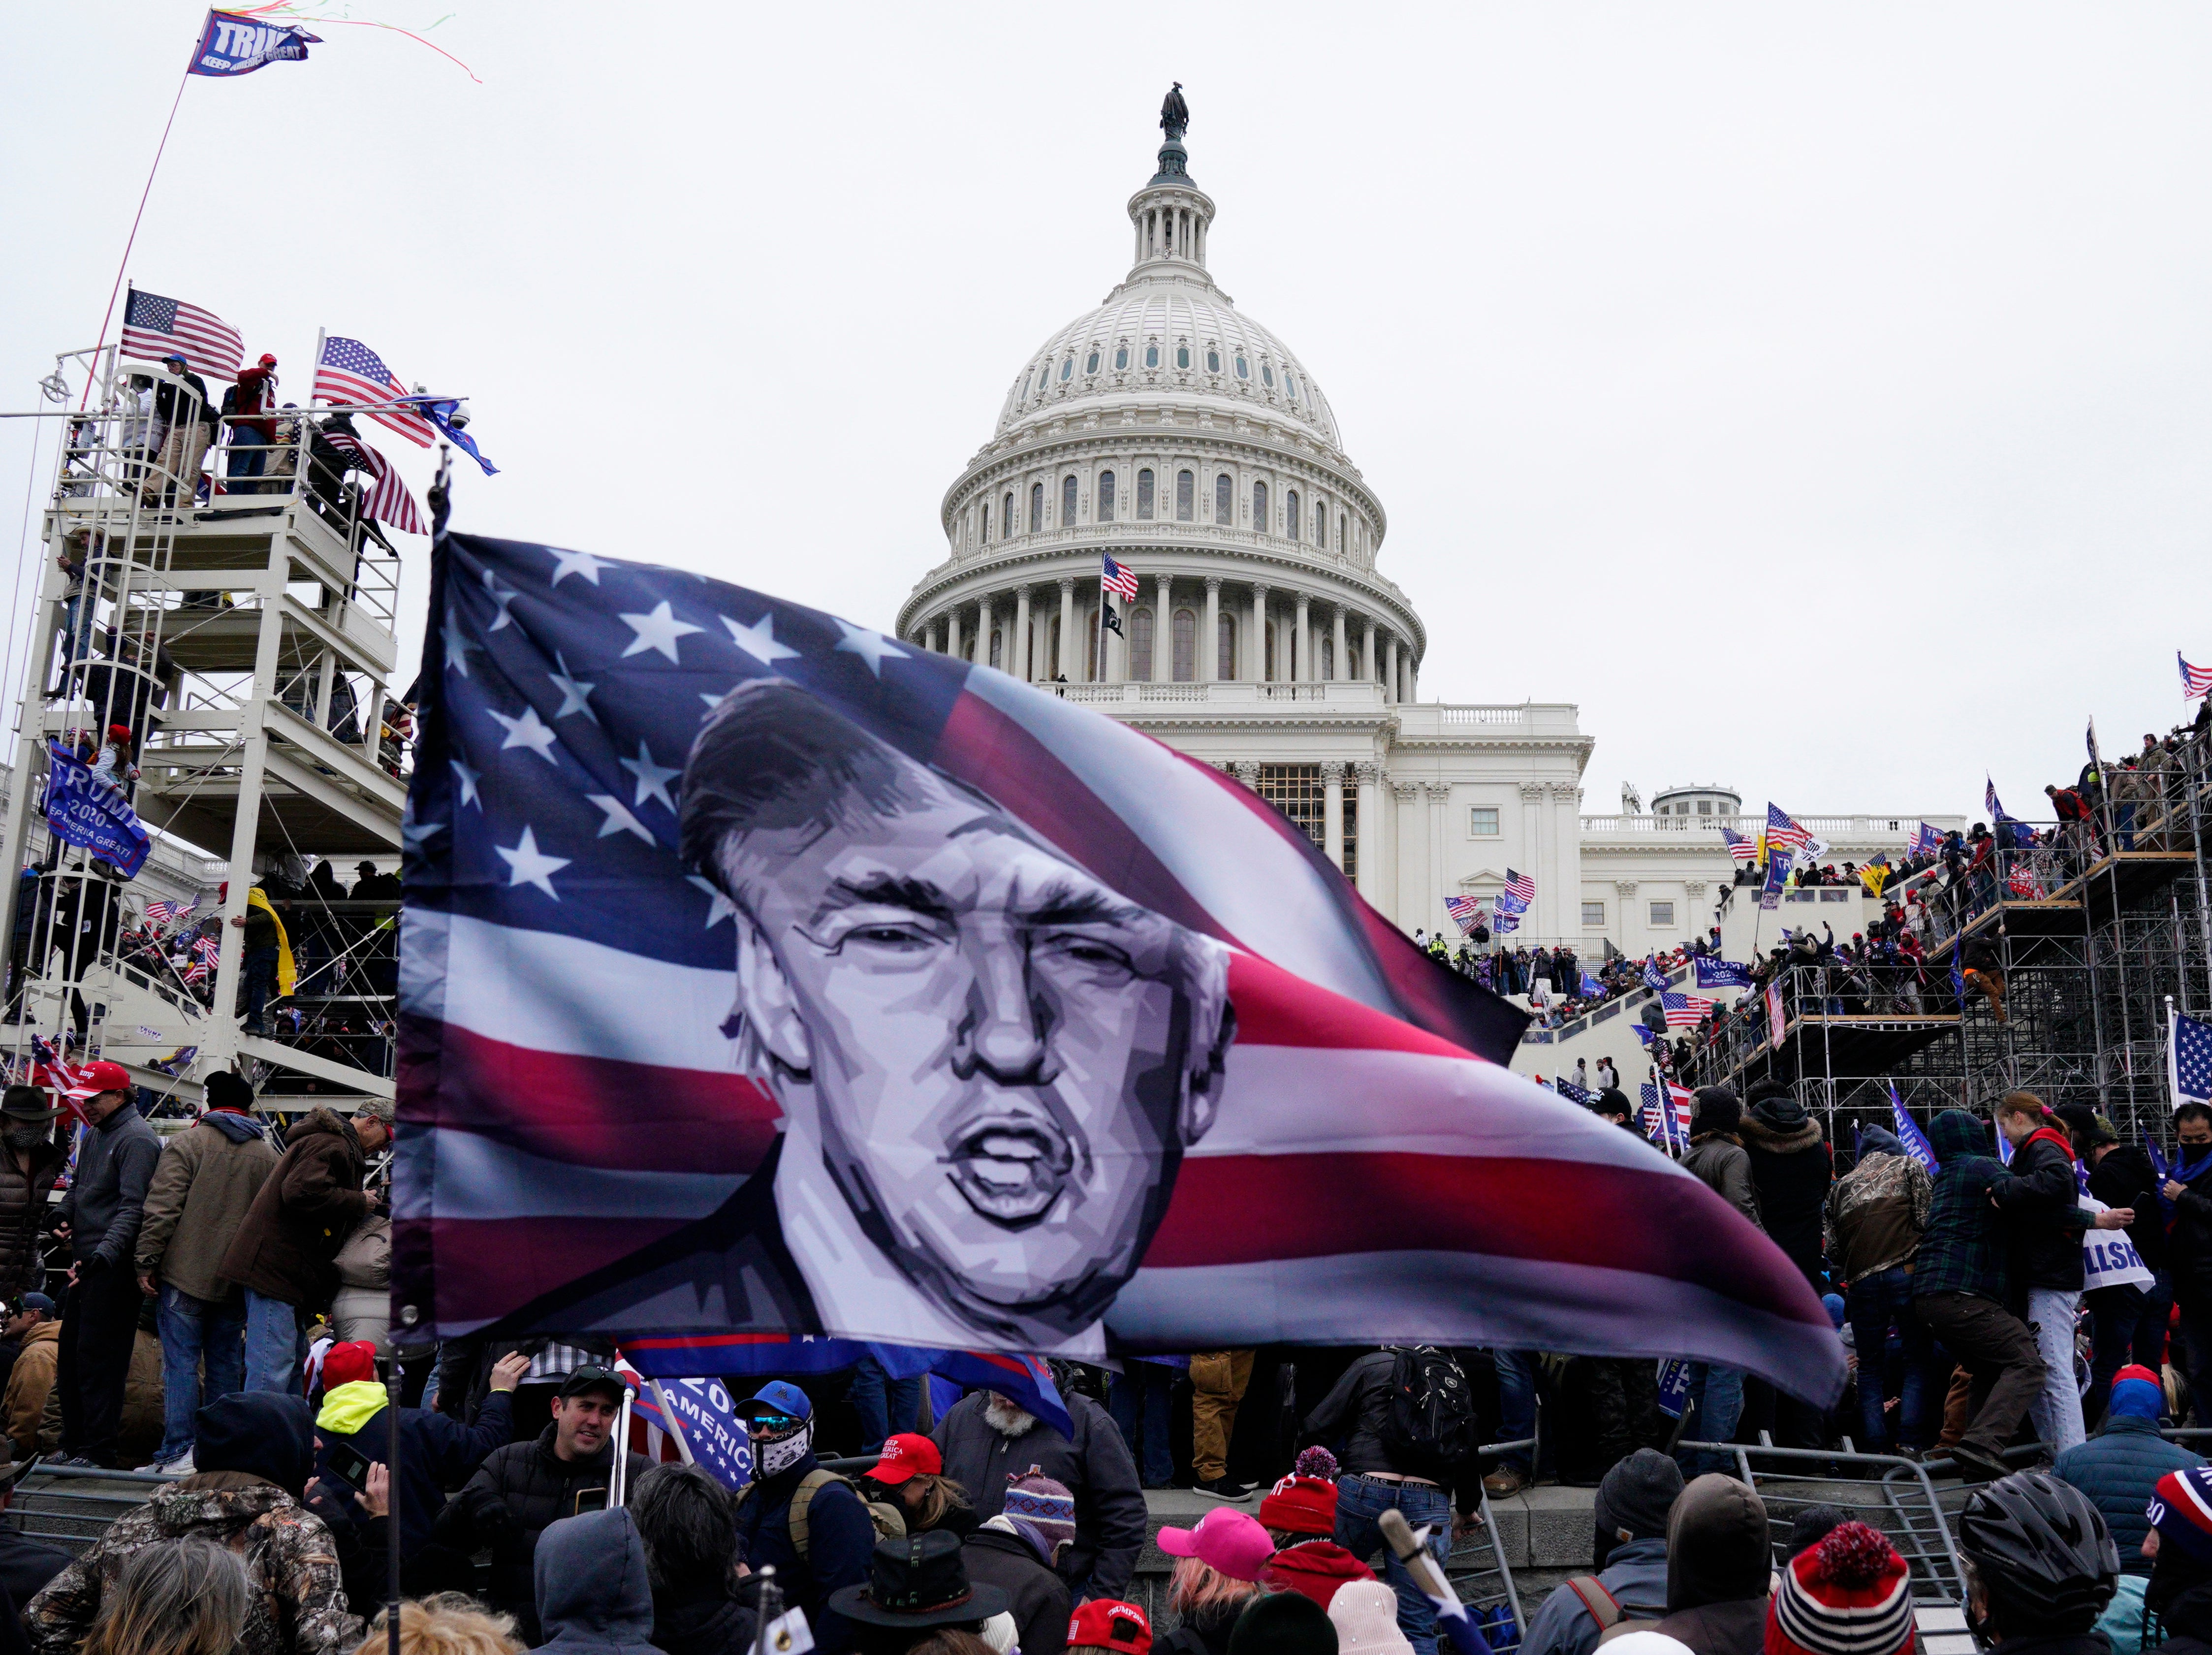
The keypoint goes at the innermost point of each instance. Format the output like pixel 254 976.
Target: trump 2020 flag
pixel 762 972
pixel 1714 972
pixel 231 45
pixel 84 811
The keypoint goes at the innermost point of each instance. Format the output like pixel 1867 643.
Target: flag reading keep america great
pixel 761 972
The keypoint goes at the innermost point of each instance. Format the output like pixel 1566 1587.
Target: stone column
pixel 1258 629
pixel 1066 665
pixel 1530 855
pixel 1331 812
pixel 1163 633
pixel 1367 775
pixel 952 631
pixel 1390 679
pixel 1302 662
pixel 1018 656
pixel 1413 676
pixel 1209 641
pixel 1406 902
pixel 983 618
pixel 1248 772
pixel 1432 900
pixel 1367 669
pixel 1340 663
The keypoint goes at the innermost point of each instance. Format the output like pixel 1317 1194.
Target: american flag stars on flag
pixel 1684 1011
pixel 152 326
pixel 1119 578
pixel 2189 1061
pixel 1743 849
pixel 349 371
pixel 1782 830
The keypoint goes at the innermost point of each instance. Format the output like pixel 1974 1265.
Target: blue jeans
pixel 1516 1401
pixel 1873 1305
pixel 76 627
pixel 1360 1503
pixel 1717 1394
pixel 194 1330
pixel 249 457
pixel 886 1405
pixel 272 1345
pixel 260 974
pixel 1137 1400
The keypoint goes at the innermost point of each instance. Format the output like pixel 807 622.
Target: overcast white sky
pixel 1815 395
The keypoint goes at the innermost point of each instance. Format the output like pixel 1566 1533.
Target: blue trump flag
pixel 1653 976
pixel 1777 875
pixel 1591 988
pixel 439 411
pixel 1717 973
pixel 231 45
pixel 83 811
pixel 1909 1134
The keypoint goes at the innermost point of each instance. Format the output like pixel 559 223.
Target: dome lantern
pixel 1171 214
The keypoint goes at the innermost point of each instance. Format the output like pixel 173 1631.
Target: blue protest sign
pixel 1674 1387
pixel 85 811
pixel 703 1413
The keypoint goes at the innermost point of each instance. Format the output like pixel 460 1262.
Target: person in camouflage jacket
pixel 255 1451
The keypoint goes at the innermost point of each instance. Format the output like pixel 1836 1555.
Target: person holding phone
pixel 525 1488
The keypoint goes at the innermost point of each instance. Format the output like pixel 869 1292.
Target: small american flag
pixel 1743 849
pixel 2022 883
pixel 1668 1125
pixel 1685 1011
pixel 351 372
pixel 205 952
pixel 1924 840
pixel 1782 830
pixel 1465 911
pixel 1119 578
pixel 160 913
pixel 2189 1061
pixel 1989 805
pixel 1520 887
pixel 388 501
pixel 152 326
pixel 2195 680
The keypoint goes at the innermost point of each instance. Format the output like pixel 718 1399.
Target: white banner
pixel 2109 1259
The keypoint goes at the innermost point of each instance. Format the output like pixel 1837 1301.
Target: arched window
pixel 986 522
pixel 1120 358
pixel 998 649
pixel 1036 506
pixel 1224 502
pixel 1185 483
pixel 1105 497
pixel 1290 512
pixel 1243 370
pixel 1006 512
pixel 1343 529
pixel 1067 368
pixel 1186 647
pixel 1050 666
pixel 1213 360
pixel 1267 647
pixel 1321 524
pixel 1183 355
pixel 1327 657
pixel 1067 500
pixel 1140 646
pixel 1091 364
pixel 1145 495
pixel 1260 507
pixel 1151 355
pixel 1226 660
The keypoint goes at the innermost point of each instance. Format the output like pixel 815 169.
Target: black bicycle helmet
pixel 2045 1559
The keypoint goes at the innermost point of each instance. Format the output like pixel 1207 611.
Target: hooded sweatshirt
pixel 1961 1251
pixel 1718 1569
pixel 593 1596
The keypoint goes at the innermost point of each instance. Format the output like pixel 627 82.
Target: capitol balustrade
pixel 1836 829
pixel 1350 696
pixel 1168 535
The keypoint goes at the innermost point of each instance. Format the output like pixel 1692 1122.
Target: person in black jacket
pixel 522 1489
pixel 2129 1322
pixel 2038 1199
pixel 1016 1556
pixel 2186 1195
pixel 831 1551
pixel 689 1522
pixel 1373 1478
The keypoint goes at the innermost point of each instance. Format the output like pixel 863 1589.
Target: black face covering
pixel 26 1137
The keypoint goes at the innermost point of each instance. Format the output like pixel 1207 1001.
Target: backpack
pixel 1430 1421
pixel 889 1522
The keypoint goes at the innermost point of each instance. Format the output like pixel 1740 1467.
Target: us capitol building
pixel 1170 431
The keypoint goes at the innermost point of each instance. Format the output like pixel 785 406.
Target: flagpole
pixel 132 240
pixel 2172 1068
pixel 668 1418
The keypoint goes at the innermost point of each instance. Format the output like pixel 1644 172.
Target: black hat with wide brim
pixel 918 1581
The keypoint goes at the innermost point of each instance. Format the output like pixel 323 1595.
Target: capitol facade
pixel 1170 431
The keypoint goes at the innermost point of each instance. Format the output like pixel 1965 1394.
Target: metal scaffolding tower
pixel 245 639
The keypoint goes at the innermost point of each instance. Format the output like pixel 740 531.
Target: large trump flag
pixel 763 973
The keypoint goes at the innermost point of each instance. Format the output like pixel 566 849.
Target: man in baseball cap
pixel 1109 1627
pixel 98 1218
pixel 840 1537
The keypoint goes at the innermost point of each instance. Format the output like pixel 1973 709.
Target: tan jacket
pixel 29 1384
pixel 204 1186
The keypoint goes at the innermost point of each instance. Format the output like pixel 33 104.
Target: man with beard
pixel 989 1064
pixel 988 1441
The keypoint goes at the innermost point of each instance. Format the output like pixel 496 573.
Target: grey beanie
pixel 1637 1494
pixel 1717 1110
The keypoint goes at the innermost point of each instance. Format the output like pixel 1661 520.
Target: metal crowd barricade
pixel 1885 1492
pixel 72 1505
pixel 1477 1568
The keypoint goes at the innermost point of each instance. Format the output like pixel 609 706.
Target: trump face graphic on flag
pixel 988 1062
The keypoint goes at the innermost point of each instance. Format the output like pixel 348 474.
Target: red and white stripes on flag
pixel 351 372
pixel 152 326
pixel 1782 829
pixel 1743 849
pixel 388 500
pixel 2195 680
pixel 1118 578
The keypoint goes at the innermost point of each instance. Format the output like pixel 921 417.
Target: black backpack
pixel 1431 1424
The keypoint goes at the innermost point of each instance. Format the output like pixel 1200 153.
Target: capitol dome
pixel 1168 432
